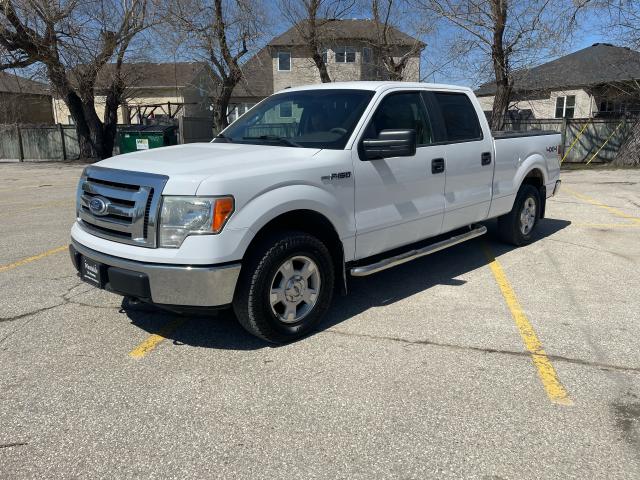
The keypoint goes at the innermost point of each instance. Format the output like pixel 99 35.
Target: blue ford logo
pixel 99 205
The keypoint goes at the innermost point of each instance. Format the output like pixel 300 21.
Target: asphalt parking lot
pixel 481 361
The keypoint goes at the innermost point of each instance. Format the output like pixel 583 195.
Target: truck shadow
pixel 220 330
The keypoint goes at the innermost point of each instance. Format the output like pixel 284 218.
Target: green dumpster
pixel 144 137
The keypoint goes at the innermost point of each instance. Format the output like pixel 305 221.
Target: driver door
pixel 398 200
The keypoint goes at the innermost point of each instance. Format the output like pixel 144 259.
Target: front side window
pixel 284 61
pixel 366 55
pixel 460 119
pixel 401 111
pixel 323 118
pixel 565 106
pixel 345 55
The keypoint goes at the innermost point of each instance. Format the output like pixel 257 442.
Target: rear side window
pixel 460 119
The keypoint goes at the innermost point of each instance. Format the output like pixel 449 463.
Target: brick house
pixel 597 81
pixel 350 51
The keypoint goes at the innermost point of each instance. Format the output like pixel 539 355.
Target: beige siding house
pixel 155 91
pixel 351 53
pixel 598 81
pixel 24 101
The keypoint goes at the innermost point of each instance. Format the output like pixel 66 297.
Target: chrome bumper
pixel 188 285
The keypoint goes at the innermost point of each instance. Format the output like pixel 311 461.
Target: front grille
pixel 128 201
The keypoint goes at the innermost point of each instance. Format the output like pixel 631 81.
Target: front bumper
pixel 165 284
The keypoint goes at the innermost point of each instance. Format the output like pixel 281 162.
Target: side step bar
pixel 405 257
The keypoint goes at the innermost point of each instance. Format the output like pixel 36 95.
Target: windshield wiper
pixel 222 136
pixel 275 138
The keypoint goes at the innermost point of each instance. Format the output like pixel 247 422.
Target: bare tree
pixel 222 32
pixel 507 34
pixel 73 40
pixel 312 20
pixel 393 60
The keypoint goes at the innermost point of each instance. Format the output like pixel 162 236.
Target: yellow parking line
pixel 24 261
pixel 605 225
pixel 592 201
pixel 155 339
pixel 547 374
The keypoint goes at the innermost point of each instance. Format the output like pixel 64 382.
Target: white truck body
pixel 374 206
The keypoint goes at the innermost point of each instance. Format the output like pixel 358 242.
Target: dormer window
pixel 345 55
pixel 284 61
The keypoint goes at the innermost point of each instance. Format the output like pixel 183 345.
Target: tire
pixel 517 226
pixel 284 269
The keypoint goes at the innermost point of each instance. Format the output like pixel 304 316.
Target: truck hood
pixel 188 165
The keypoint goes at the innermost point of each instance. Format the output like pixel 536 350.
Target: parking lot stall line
pixel 155 339
pixel 546 372
pixel 34 258
pixel 593 201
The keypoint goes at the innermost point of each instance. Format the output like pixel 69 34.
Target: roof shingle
pixel 598 64
pixel 15 84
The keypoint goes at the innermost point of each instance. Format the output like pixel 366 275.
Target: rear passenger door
pixel 398 200
pixel 468 158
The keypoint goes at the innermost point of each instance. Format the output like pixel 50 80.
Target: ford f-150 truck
pixel 310 186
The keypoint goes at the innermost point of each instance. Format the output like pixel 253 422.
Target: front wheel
pixel 285 287
pixel 516 227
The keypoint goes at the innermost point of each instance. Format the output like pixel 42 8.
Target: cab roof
pixel 375 86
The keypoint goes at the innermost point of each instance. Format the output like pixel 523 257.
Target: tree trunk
pixel 629 152
pixel 322 67
pixel 500 104
pixel 220 105
pixel 500 61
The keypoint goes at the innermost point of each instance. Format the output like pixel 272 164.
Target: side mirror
pixel 390 143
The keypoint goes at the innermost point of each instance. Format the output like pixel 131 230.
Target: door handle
pixel 437 165
pixel 485 158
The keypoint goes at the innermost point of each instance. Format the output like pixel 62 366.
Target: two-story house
pixel 352 50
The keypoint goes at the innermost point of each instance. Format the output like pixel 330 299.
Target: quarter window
pixel 345 55
pixel 284 61
pixel 460 119
pixel 565 106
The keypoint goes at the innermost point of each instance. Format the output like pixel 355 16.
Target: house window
pixel 345 55
pixel 236 110
pixel 284 61
pixel 565 106
pixel 286 110
pixel 366 55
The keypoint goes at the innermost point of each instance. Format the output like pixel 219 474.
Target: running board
pixel 405 257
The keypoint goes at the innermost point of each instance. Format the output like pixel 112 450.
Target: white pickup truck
pixel 311 185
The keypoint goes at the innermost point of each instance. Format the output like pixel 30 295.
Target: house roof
pixel 257 78
pixel 149 75
pixel 15 84
pixel 344 29
pixel 598 64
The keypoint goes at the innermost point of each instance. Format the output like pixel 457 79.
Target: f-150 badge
pixel 335 176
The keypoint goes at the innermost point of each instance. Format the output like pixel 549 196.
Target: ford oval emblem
pixel 99 205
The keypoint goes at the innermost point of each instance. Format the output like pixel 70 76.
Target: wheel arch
pixel 313 223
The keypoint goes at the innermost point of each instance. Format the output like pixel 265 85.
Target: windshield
pixel 310 118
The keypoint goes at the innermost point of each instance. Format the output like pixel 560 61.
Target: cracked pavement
pixel 419 373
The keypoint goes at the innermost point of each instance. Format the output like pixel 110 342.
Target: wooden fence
pixel 585 140
pixel 60 142
pixel 593 140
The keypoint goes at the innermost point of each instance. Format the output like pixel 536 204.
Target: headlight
pixel 184 216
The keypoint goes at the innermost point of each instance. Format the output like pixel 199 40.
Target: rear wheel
pixel 516 227
pixel 285 287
